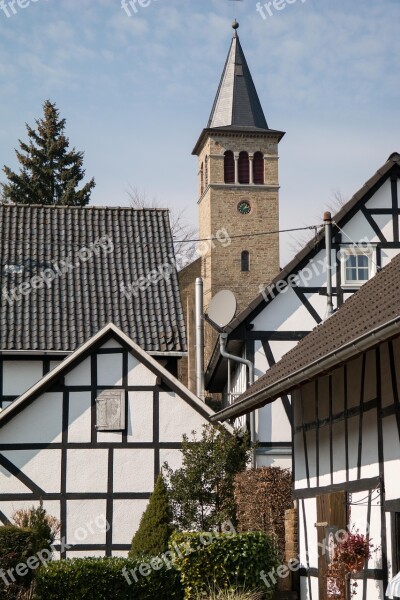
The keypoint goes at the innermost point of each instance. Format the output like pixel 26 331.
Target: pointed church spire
pixel 236 103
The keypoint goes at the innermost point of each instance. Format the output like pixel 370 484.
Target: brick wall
pixel 221 266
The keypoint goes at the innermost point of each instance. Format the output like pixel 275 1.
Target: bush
pixel 155 529
pixel 262 496
pixel 103 579
pixel 44 526
pixel 201 491
pixel 16 546
pixel 226 563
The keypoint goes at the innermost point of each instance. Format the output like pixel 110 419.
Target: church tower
pixel 238 186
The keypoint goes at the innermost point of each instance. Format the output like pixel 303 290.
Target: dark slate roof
pixel 390 168
pixel 237 107
pixel 374 306
pixel 73 307
pixel 237 103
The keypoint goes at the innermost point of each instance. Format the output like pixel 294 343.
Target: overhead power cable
pixel 247 235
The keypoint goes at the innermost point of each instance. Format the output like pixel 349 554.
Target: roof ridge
pixel 311 245
pixel 92 207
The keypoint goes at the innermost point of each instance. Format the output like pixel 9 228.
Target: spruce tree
pixel 50 173
pixel 155 529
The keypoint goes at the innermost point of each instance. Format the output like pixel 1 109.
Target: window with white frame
pixel 357 266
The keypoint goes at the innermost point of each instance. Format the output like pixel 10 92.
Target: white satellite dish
pixel 222 308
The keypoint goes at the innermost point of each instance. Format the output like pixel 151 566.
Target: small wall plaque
pixel 110 410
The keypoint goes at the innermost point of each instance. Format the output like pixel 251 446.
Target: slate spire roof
pixel 237 103
pixel 65 273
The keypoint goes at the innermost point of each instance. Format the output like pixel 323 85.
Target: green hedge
pixel 209 562
pixel 17 545
pixel 103 579
pixel 201 563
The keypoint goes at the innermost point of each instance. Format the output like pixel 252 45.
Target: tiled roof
pixel 66 310
pixel 376 304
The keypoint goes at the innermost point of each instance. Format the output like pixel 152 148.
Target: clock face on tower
pixel 244 207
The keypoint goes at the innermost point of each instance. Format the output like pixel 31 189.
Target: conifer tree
pixel 50 173
pixel 155 529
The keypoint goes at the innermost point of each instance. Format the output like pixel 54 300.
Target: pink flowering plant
pixel 351 554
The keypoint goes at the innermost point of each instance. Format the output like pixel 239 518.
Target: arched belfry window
pixel 229 167
pixel 201 179
pixel 245 261
pixel 206 171
pixel 244 168
pixel 258 168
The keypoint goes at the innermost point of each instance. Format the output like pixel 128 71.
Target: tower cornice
pixel 236 132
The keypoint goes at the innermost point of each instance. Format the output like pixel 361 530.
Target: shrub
pixel 16 546
pixel 201 492
pixel 224 562
pixel 262 496
pixel 44 526
pixel 103 579
pixel 155 529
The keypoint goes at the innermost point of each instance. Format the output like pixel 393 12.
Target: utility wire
pixel 247 235
pixel 30 243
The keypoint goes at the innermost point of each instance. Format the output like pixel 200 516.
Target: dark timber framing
pixel 367 397
pixel 241 329
pixel 163 382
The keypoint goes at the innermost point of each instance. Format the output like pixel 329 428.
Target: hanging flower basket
pixel 356 564
pixel 351 554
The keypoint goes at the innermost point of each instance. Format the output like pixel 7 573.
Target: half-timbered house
pixel 68 271
pixel 91 331
pixel 344 378
pixel 365 237
pixel 89 440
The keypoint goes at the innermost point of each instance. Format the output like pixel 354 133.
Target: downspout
pixel 199 309
pixel 222 340
pixel 328 245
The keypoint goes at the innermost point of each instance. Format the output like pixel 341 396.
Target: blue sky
pixel 136 91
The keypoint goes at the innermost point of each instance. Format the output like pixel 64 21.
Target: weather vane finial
pixel 235 26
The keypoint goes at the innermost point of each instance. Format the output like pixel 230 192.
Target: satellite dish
pixel 222 308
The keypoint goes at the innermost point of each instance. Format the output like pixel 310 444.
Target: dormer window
pixel 357 266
